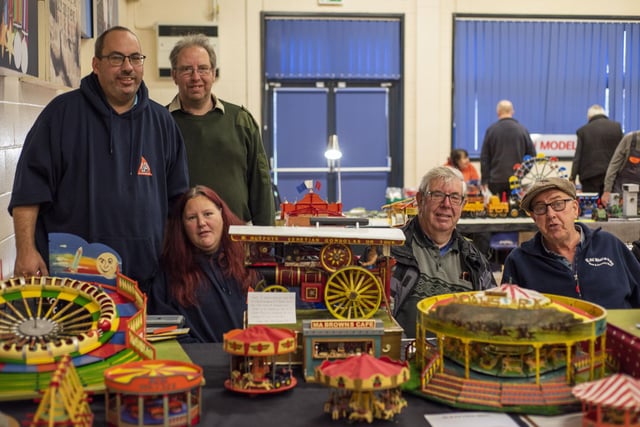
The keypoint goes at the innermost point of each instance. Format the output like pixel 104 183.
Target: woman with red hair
pixel 204 277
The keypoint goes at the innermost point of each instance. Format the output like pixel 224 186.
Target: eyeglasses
pixel 188 71
pixel 455 199
pixel 117 59
pixel 556 205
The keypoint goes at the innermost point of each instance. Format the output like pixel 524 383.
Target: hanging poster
pixel 86 21
pixel 106 15
pixel 64 37
pixel 19 36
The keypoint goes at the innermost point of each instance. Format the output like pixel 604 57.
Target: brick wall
pixel 21 100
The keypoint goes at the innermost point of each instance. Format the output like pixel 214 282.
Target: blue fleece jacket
pixel 103 176
pixel 604 270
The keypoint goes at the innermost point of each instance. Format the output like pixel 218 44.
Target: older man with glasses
pixel 568 258
pixel 435 258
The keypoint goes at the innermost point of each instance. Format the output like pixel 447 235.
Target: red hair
pixel 179 255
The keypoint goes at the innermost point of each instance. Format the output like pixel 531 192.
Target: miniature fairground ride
pixel 508 349
pixel 311 205
pixel 363 387
pixel 533 169
pixel 45 318
pixel 609 402
pixel 401 211
pixel 320 261
pixel 153 392
pixel 64 402
pixel 254 351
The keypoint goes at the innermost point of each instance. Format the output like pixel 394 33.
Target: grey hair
pixel 595 110
pixel 444 173
pixel 191 40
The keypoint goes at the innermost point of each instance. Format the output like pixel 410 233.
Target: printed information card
pixel 271 308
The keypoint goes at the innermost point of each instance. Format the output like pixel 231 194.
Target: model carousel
pixel 254 353
pixel 153 392
pixel 363 387
pixel 508 349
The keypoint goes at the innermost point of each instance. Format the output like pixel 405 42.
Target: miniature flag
pixel 318 185
pixel 301 187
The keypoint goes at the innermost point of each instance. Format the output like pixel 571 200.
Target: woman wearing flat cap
pixel 568 258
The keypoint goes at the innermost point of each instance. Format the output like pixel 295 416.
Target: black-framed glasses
pixel 556 205
pixel 188 71
pixel 455 199
pixel 117 59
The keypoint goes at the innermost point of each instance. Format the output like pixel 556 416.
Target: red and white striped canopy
pixel 617 391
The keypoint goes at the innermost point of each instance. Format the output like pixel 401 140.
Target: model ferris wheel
pixel 533 169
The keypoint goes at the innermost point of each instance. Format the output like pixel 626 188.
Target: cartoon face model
pixel 107 265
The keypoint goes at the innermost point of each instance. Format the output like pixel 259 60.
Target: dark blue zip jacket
pixel 103 176
pixel 607 272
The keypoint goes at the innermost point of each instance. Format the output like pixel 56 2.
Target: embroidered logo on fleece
pixel 144 168
pixel 597 262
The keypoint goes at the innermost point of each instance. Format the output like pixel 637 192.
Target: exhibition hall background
pixel 426 97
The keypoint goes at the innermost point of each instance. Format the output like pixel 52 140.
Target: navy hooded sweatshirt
pixel 103 176
pixel 604 270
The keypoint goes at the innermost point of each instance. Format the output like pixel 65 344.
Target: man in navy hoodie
pixel 568 258
pixel 101 162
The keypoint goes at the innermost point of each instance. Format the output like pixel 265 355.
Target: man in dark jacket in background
pixel 597 141
pixel 506 142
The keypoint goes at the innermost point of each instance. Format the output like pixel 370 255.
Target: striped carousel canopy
pixel 260 340
pixel 617 391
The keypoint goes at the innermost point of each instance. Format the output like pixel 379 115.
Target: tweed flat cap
pixel 545 184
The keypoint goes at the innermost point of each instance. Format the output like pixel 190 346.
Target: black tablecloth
pixel 301 406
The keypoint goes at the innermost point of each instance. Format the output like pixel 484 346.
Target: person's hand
pixel 487 196
pixel 30 264
pixel 604 199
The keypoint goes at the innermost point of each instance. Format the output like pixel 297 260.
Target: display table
pixel 626 230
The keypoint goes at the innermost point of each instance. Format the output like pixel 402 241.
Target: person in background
pixel 624 167
pixel 435 259
pixel 568 258
pixel 506 142
pixel 459 159
pixel 101 162
pixel 224 145
pixel 203 277
pixel 597 141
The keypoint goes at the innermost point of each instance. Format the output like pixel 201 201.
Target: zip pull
pixel 575 276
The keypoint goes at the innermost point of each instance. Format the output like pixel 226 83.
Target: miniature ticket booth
pixel 333 339
pixel 153 392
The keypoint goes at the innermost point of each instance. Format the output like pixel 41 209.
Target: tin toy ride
pixel 153 392
pixel 311 205
pixel 64 403
pixel 45 318
pixel 363 387
pixel 508 349
pixel 533 169
pixel 320 261
pixel 253 359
